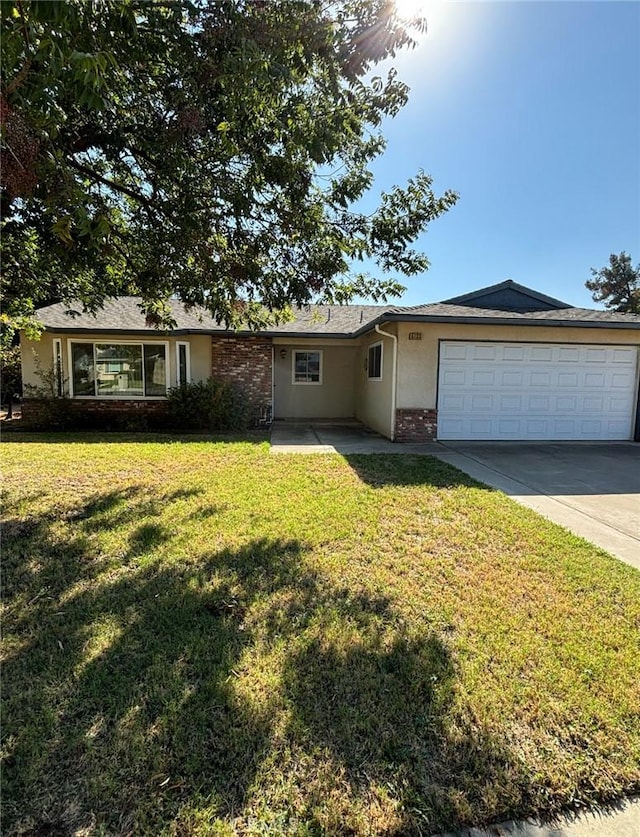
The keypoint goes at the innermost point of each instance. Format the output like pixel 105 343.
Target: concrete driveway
pixel 591 488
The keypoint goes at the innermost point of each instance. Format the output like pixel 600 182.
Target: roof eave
pixel 179 332
pixel 445 318
pixel 366 327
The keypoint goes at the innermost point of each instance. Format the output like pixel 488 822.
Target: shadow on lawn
pixel 381 470
pixel 133 702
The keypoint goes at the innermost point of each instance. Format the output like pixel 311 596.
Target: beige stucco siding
pixel 37 355
pixel 334 398
pixel 418 359
pixel 40 352
pixel 200 356
pixel 374 402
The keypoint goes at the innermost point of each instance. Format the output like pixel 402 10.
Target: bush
pixel 208 406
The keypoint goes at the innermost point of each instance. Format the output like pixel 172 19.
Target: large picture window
pixel 307 367
pixel 119 370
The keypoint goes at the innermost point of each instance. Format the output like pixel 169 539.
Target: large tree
pixel 213 150
pixel 617 285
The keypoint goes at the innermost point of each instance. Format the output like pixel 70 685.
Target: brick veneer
pixel 416 425
pixel 98 413
pixel 246 362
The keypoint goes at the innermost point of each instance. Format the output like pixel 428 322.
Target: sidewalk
pixel 623 821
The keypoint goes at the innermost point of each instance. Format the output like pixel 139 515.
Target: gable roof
pixel 124 316
pixel 508 296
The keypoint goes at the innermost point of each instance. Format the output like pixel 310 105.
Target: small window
pixel 183 363
pixel 374 362
pixel 58 379
pixel 307 367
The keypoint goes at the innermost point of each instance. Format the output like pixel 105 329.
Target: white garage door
pixel 536 391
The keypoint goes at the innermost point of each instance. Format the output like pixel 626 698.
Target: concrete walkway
pixel 330 437
pixel 623 821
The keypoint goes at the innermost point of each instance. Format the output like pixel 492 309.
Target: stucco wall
pixel 34 352
pixel 335 397
pixel 418 359
pixel 42 351
pixel 374 397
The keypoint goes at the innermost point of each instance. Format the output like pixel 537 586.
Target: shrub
pixel 207 406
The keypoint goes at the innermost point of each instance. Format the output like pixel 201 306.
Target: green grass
pixel 202 638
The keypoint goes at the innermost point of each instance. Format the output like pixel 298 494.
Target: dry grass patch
pixel 204 639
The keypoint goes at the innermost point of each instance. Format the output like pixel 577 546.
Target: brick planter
pixel 416 425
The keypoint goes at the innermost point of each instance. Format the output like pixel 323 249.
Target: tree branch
pixel 118 187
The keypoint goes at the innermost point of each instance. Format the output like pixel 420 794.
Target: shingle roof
pixel 125 315
pixel 445 310
pixel 514 297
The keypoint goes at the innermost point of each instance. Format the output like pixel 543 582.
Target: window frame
pixel 187 346
pixel 294 354
pixel 371 346
pixel 108 342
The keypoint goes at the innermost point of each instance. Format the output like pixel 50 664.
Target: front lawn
pixel 202 638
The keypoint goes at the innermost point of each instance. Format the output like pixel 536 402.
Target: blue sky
pixel 531 111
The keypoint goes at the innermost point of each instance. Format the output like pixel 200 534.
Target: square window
pixel 307 367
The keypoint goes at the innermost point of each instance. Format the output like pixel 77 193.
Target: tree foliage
pixel 617 285
pixel 216 151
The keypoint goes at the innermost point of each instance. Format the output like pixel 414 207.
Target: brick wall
pixel 246 362
pixel 416 425
pixel 94 414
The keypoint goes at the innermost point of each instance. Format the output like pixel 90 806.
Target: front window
pixel 307 367
pixel 119 370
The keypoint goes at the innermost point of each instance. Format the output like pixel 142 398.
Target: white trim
pixel 372 346
pixel 108 342
pixel 187 346
pixel 273 380
pixel 293 368
pixel 394 377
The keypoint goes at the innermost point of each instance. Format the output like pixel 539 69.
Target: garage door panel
pixel 566 402
pixel 541 353
pixel 510 403
pixel 514 353
pixel 481 378
pixel 569 354
pixel 454 351
pixel 567 380
pixel 529 391
pixel 482 403
pixel 621 380
pixel 511 378
pixel 454 377
pixel 537 403
pixel 623 355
